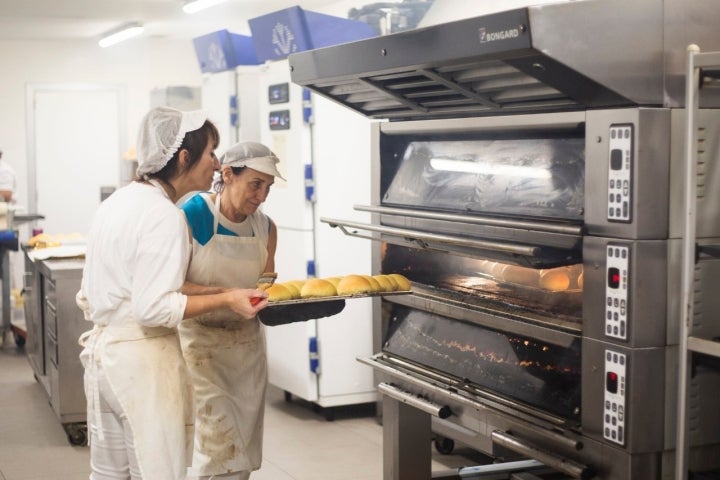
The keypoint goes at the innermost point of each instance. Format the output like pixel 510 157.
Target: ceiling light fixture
pixel 128 30
pixel 197 5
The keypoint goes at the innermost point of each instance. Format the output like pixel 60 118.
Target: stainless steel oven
pixel 527 178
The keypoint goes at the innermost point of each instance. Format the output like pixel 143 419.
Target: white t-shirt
pixel 137 257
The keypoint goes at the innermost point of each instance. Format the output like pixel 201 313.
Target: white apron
pixel 226 358
pixel 145 369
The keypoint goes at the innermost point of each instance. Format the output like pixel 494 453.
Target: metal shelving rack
pixel 700 67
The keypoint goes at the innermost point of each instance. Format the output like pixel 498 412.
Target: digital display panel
pixel 279 93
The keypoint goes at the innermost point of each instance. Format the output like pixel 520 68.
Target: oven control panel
pixel 620 173
pixel 614 412
pixel 617 265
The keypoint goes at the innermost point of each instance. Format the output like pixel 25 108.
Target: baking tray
pixel 300 301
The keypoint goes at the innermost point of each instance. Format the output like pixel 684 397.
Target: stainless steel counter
pixel 54 324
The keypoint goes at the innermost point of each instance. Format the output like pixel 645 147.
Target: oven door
pixel 509 189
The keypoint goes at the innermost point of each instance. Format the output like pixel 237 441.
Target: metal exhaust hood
pixel 556 57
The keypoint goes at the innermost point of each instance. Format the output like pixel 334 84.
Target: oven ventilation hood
pixel 559 57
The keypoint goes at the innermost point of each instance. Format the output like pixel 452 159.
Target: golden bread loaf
pixel 402 281
pixel 278 292
pixel 317 287
pixel 353 284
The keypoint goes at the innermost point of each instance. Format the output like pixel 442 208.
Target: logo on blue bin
pixel 216 57
pixel 283 40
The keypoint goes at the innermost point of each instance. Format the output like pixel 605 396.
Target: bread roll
pixel 386 284
pixel 278 292
pixel 353 284
pixel 581 280
pixel 375 286
pixel 555 280
pixel 393 283
pixel 297 283
pixel 317 287
pixel 292 287
pixel 334 280
pixel 520 275
pixel 402 281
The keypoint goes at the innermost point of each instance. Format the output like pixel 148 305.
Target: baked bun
pixel 334 280
pixel 386 283
pixel 278 292
pixel 374 284
pixel 353 284
pixel 402 282
pixel 293 288
pixel 317 287
pixel 520 275
pixel 555 280
pixel 297 283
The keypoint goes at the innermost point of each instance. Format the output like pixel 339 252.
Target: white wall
pixel 138 66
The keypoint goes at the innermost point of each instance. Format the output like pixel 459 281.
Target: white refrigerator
pixel 324 152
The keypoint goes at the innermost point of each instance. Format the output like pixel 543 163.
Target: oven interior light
pixel 465 166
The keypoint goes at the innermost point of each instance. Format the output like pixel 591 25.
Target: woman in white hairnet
pixel 137 386
pixel 233 244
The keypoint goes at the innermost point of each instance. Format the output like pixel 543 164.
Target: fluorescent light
pixel 197 5
pixel 450 165
pixel 123 33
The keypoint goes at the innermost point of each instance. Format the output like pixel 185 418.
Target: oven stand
pixel 407 435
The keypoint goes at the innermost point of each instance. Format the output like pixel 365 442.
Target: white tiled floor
pixel 299 443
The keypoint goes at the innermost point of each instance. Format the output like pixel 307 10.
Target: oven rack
pixel 701 73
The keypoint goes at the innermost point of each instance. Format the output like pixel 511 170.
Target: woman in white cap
pixel 138 391
pixel 233 244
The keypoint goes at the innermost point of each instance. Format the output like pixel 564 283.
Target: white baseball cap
pixel 162 131
pixel 252 155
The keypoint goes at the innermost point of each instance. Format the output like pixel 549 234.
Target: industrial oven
pixel 527 178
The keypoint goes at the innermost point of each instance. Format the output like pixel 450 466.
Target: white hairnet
pixel 252 155
pixel 161 133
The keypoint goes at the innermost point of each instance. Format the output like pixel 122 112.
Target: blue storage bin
pixel 278 34
pixel 223 50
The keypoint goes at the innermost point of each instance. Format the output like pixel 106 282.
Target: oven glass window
pixel 543 375
pixel 532 177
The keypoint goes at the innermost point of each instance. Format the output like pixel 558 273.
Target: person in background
pixel 233 244
pixel 138 392
pixel 7 180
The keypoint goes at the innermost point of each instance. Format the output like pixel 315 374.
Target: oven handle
pixel 441 411
pixel 576 230
pixel 522 414
pixel 564 465
pixel 422 238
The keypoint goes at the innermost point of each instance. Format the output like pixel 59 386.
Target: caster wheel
pixel 444 445
pixel 288 396
pixel 77 435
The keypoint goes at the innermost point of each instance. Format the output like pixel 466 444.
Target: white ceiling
pixel 56 20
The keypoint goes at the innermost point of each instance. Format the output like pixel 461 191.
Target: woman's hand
pixel 244 301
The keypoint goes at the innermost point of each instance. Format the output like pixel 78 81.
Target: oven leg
pixel 407 438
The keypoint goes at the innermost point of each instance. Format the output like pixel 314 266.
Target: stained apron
pixel 226 357
pixel 145 369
